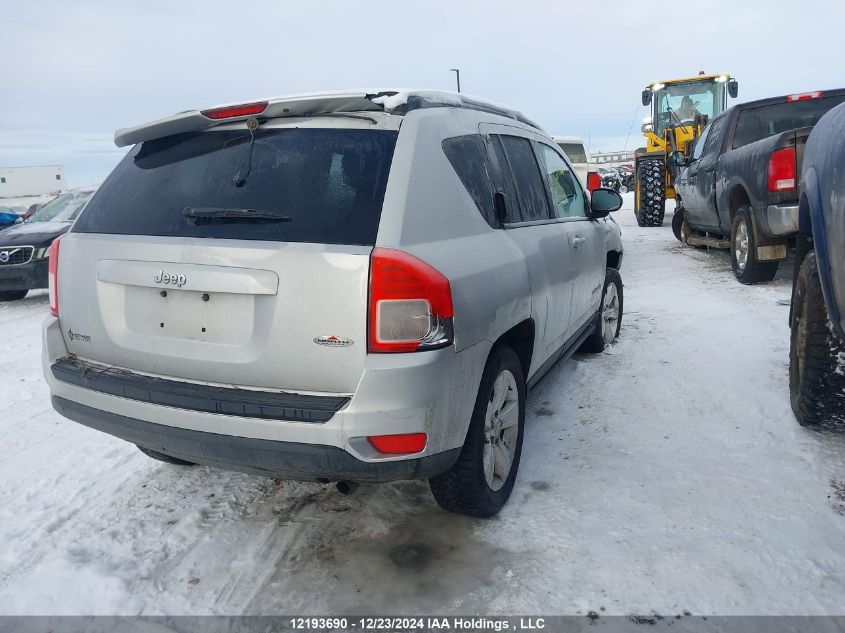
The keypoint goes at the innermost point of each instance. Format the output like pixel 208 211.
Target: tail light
pixel 805 96
pixel 230 112
pixel 396 444
pixel 53 276
pixel 593 181
pixel 410 304
pixel 782 170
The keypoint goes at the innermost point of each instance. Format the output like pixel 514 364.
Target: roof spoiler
pixel 391 101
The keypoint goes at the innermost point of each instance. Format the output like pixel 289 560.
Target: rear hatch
pixel 232 257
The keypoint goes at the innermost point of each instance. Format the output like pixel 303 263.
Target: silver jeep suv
pixel 341 287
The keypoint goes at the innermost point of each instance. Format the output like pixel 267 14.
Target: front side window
pixel 698 150
pixel 567 196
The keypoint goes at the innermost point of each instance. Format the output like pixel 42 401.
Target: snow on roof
pixel 391 101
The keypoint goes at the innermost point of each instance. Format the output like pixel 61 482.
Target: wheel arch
pixel 520 338
pixel 737 198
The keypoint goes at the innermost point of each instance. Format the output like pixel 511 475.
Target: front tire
pixel 13 295
pixel 747 269
pixel 480 482
pixel 678 224
pixel 816 384
pixel 652 193
pixel 609 320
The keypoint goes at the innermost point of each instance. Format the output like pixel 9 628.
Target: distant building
pixel 16 182
pixel 612 159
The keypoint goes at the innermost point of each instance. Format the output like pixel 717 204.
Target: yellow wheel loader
pixel 680 108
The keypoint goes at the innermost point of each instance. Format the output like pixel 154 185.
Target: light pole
pixel 457 72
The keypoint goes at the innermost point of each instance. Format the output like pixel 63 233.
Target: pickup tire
pixel 609 317
pixel 744 262
pixel 678 224
pixel 474 485
pixel 167 459
pixel 816 381
pixel 652 188
pixel 12 295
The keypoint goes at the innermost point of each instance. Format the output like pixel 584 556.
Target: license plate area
pixel 212 317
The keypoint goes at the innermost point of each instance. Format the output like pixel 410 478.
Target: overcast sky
pixel 74 71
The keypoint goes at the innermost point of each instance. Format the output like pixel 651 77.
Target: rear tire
pixel 652 186
pixel 609 320
pixel 816 386
pixel 13 295
pixel 167 459
pixel 744 262
pixel 477 484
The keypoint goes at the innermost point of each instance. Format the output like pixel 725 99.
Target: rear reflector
pixel 53 276
pixel 782 170
pixel 805 96
pixel 230 112
pixel 593 181
pixel 410 306
pixel 394 444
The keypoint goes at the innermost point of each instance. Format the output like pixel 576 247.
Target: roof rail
pixel 390 101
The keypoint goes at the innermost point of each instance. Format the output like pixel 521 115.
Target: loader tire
pixel 652 186
pixel 816 380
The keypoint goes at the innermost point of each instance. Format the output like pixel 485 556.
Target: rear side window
pixel 574 152
pixel 714 138
pixel 468 157
pixel 765 121
pixel 519 157
pixel 328 182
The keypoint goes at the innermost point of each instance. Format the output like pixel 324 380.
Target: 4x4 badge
pixel 333 341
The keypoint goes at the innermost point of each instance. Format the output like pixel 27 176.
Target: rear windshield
pixel 759 123
pixel 574 152
pixel 328 184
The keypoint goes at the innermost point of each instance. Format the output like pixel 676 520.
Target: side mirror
pixel 646 97
pixel 733 88
pixel 604 201
pixel 677 159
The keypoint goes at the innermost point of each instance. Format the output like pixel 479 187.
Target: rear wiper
pixel 213 214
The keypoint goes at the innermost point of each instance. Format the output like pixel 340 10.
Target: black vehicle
pixel 739 188
pixel 24 246
pixel 817 317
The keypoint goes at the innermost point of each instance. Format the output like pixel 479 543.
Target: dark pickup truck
pixel 817 317
pixel 739 188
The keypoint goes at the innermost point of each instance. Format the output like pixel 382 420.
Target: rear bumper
pixel 24 276
pixel 281 460
pixel 432 392
pixel 778 220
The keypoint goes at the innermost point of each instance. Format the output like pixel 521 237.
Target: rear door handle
pixel 578 241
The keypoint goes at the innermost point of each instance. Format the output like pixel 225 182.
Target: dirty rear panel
pixel 275 302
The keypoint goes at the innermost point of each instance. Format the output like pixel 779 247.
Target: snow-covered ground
pixel 664 475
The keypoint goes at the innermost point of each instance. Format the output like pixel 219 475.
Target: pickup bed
pixel 739 188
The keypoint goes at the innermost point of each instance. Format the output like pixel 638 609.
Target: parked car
pixel 349 287
pixel 817 317
pixel 8 217
pixel 739 188
pixel 31 210
pixel 23 247
pixel 579 157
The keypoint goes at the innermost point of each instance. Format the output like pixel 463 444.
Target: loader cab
pixel 684 103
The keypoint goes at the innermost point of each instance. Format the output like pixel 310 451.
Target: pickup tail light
pixel 230 112
pixel 410 304
pixel 782 175
pixel 805 96
pixel 593 181
pixel 53 276
pixel 397 444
